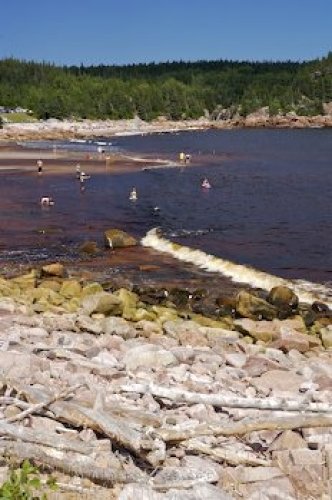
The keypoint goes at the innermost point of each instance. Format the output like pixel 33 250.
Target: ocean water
pixel 267 217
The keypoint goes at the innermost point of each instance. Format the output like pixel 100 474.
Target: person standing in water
pixel 78 171
pixel 39 167
pixel 133 194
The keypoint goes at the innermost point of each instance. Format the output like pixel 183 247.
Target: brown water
pixel 269 206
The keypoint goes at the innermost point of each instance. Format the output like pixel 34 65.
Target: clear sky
pixel 130 31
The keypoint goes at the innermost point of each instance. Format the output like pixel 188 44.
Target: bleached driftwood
pixel 117 429
pixel 43 404
pixel 219 401
pixel 82 466
pixel 26 435
pixel 245 426
pixel 222 455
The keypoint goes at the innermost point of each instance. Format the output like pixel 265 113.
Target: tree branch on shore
pixel 219 401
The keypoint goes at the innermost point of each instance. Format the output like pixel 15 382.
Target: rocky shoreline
pixel 165 393
pixel 130 392
pixel 84 129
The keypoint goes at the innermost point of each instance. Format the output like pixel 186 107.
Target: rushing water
pixel 269 206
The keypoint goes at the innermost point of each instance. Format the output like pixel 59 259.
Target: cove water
pixel 267 218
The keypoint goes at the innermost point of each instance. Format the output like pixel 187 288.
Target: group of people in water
pixel 82 177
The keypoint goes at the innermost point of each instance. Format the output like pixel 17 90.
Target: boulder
pixel 89 248
pixel 26 281
pixel 70 289
pixel 250 306
pixel 115 238
pixel 284 299
pixel 55 269
pixel 290 339
pixel 91 289
pixel 50 284
pixel 129 302
pixel 258 330
pixel 102 302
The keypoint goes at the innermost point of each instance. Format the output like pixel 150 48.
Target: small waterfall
pixel 306 291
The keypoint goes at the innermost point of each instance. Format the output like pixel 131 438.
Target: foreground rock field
pixel 135 394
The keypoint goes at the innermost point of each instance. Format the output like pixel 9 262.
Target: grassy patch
pixel 17 117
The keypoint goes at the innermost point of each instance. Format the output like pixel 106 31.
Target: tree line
pixel 176 90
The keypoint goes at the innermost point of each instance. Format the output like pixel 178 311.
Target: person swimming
pixel 133 194
pixel 46 201
pixel 205 183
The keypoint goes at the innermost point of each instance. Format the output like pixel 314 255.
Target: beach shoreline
pixel 84 129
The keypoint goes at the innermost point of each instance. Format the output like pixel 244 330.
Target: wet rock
pixel 89 248
pixel 320 307
pixel 284 299
pixel 152 296
pixel 226 306
pixel 55 269
pixel 250 306
pixel 179 297
pixel 115 238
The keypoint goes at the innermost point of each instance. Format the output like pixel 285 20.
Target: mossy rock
pixel 143 314
pixel 103 303
pixel 50 284
pixel 250 306
pixel 91 288
pixel 70 289
pixel 26 281
pixel 9 289
pixel 115 238
pixel 72 305
pixel 226 323
pixel 164 314
pixel 129 302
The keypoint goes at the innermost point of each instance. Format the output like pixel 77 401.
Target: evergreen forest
pixel 176 90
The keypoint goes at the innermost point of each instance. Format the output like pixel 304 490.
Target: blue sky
pixel 132 31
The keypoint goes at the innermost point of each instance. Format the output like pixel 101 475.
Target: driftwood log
pixel 245 426
pixel 224 455
pixel 219 401
pixel 118 429
pixel 79 466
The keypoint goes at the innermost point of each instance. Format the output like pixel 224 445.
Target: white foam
pixel 306 291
